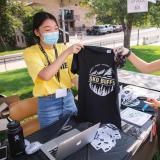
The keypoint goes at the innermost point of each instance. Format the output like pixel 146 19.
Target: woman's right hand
pixel 154 103
pixel 74 49
pixel 121 50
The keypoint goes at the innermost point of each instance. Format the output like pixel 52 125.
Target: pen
pixel 145 107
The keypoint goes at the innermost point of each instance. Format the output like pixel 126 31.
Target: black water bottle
pixel 15 138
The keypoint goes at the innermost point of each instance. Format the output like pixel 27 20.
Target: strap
pixel 44 53
pixel 56 55
pixel 47 58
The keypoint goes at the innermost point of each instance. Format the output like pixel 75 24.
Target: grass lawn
pixel 147 53
pixel 16 82
pixel 19 83
pixel 11 52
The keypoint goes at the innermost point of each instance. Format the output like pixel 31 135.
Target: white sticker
pixel 109 51
pixel 106 137
pixel 61 93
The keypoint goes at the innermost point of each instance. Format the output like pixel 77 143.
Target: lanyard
pixel 47 58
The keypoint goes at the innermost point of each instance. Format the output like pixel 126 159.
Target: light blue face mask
pixel 51 38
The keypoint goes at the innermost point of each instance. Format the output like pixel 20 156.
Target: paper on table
pixel 135 117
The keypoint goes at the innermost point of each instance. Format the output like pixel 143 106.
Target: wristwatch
pixel 129 53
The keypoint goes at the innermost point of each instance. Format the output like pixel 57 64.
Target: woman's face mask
pixel 51 38
pixel 48 32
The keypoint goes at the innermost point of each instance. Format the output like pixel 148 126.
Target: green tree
pixel 14 15
pixel 9 21
pixel 117 9
pixel 27 24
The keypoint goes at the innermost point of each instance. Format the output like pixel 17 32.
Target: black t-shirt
pixel 98 85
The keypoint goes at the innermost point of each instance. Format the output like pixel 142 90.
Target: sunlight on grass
pixel 147 53
pixel 11 52
pixel 16 82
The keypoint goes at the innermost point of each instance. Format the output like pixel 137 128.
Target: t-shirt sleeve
pixel 70 60
pixel 75 66
pixel 33 62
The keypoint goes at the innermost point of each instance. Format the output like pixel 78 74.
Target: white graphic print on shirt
pixel 101 80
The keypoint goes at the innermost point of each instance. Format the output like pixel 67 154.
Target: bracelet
pixel 129 53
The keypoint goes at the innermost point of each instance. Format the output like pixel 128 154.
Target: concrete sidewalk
pixel 12 66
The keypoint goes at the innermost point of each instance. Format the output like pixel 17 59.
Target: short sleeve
pixel 34 63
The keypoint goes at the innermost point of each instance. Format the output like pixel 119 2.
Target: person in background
pixel 49 66
pixel 142 66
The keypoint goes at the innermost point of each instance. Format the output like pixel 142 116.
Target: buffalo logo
pixel 101 80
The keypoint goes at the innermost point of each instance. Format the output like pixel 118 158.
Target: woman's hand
pixel 74 49
pixel 121 50
pixel 154 103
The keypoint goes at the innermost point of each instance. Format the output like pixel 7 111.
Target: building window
pixel 69 14
pixel 72 24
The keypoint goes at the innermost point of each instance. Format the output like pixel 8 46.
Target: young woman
pixel 142 66
pixel 49 66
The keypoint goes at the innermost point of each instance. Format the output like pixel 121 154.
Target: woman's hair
pixel 40 17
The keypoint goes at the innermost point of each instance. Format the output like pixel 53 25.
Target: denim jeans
pixel 51 109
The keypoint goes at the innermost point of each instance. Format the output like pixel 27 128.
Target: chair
pixel 7 100
pixel 25 111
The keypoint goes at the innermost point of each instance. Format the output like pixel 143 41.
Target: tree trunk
pixel 3 43
pixel 127 36
pixel 127 33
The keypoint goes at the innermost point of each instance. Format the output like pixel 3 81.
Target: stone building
pixel 75 15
